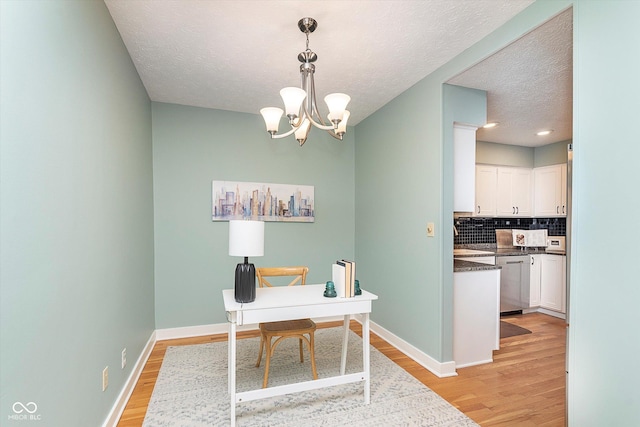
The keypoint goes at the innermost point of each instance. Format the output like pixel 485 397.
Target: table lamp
pixel 246 238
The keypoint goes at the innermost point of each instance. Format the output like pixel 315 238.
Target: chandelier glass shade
pixel 301 108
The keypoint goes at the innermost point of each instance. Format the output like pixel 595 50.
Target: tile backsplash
pixel 473 230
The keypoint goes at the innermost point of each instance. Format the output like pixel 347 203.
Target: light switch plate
pixel 431 229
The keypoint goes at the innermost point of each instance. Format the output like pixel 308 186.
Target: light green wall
pixel 194 146
pixel 490 153
pixel 605 288
pixel 398 190
pixel 551 154
pixel 76 276
pixel 467 106
pixel 398 182
pixel 400 155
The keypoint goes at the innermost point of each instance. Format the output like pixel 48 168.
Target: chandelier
pixel 300 103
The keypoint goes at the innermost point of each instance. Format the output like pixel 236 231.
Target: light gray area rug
pixel 191 389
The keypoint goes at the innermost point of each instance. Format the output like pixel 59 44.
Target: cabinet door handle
pixel 514 262
pixel 557 209
pixel 514 209
pixel 532 260
pixel 563 209
pixel 517 209
pixel 478 208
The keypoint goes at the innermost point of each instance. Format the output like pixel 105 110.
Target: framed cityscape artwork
pixel 262 201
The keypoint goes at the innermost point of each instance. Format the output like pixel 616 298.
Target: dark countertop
pixel 508 251
pixel 460 266
pixel 518 251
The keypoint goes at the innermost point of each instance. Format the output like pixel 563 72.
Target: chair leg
pixel 312 355
pixel 301 355
pixel 267 362
pixel 261 348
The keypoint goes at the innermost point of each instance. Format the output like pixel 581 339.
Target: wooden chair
pixel 288 328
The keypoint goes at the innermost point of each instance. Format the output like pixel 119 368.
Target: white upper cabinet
pixel 550 190
pixel 514 192
pixel 464 164
pixel 505 191
pixel 486 184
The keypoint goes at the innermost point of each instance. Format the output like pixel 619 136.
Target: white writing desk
pixel 296 302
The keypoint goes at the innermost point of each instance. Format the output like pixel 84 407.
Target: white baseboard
pixel 440 369
pixel 212 329
pixel 197 331
pixel 481 362
pixel 129 385
pixel 552 313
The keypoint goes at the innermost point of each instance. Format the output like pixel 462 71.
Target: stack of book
pixel 343 274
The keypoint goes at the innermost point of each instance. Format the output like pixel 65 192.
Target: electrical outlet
pixel 431 229
pixel 124 357
pixel 105 378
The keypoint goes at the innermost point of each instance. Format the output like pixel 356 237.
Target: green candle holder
pixel 330 290
pixel 357 291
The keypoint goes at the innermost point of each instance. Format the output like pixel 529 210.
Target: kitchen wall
pixel 551 154
pixel 490 153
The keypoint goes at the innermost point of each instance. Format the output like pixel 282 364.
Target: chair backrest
pixel 300 274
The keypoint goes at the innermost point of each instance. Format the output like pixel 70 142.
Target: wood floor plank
pixel 524 386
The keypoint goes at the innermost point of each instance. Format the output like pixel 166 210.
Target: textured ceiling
pixel 529 86
pixel 237 54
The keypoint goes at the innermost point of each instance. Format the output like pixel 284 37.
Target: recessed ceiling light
pixel 544 132
pixel 490 125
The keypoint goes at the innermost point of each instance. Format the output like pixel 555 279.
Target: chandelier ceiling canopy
pixel 300 103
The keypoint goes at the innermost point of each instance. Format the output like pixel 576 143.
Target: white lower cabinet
pixel 476 316
pixel 534 280
pixel 548 282
pixel 553 282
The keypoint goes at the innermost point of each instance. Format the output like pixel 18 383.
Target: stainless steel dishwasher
pixel 514 283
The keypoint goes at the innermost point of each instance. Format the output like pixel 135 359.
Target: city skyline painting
pixel 262 201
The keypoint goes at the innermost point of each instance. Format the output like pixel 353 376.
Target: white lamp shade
pixel 246 238
pixel 271 116
pixel 337 103
pixel 303 130
pixel 292 97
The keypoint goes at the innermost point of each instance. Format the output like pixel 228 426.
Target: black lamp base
pixel 245 289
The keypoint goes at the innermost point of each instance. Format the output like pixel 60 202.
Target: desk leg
pixel 345 343
pixel 366 358
pixel 232 371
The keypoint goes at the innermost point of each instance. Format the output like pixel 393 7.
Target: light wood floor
pixel 524 386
